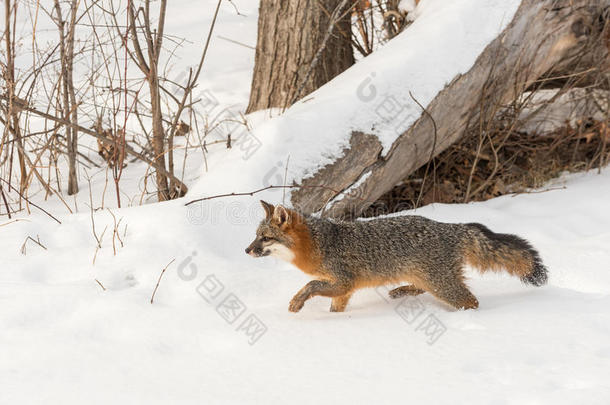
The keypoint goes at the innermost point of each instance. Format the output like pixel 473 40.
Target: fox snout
pixel 255 249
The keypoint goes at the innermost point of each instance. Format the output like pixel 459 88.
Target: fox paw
pixel 296 305
pixel 404 291
pixel 394 294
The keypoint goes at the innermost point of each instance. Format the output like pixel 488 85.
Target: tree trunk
pixel 158 140
pixel 294 54
pixel 150 67
pixel 70 108
pixel 544 36
pixel 13 113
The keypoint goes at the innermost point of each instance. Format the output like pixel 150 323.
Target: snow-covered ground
pixel 65 340
pixel 219 330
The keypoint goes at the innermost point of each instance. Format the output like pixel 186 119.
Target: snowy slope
pixel 76 343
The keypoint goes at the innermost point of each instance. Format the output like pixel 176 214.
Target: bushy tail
pixel 487 250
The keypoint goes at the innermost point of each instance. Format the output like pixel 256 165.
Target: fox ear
pixel 281 215
pixel 268 209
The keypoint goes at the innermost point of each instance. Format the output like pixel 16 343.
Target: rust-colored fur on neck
pixel 306 255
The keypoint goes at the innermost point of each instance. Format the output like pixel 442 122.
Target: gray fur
pixel 385 245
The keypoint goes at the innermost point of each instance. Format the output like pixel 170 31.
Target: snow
pixel 77 343
pixel 353 188
pixel 407 6
pixel 66 340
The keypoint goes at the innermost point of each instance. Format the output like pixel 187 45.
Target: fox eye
pixel 265 239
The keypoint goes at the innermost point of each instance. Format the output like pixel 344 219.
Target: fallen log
pixel 545 37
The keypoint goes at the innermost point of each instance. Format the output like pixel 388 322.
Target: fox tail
pixel 487 250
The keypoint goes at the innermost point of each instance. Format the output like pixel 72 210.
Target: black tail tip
pixel 538 277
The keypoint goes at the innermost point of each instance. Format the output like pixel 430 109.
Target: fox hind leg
pixel 404 291
pixel 455 294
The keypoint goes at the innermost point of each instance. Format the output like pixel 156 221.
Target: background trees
pixel 301 45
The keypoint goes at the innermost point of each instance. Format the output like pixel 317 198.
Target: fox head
pixel 274 236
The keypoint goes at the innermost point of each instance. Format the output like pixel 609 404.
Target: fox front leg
pixel 318 287
pixel 339 303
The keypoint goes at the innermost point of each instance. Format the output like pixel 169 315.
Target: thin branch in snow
pixel 152 298
pixel 260 190
pixel 30 202
pixel 36 241
pixel 100 284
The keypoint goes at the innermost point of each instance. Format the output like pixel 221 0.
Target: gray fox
pixel 428 255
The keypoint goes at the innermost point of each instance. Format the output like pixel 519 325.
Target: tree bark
pixel 294 54
pixel 544 36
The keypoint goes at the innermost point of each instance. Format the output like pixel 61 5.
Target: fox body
pixel 430 256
